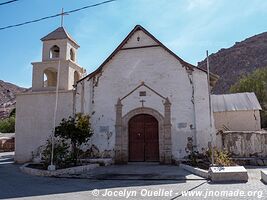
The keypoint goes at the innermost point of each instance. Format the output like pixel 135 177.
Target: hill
pixel 8 93
pixel 241 59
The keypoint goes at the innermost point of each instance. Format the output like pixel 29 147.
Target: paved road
pixel 16 185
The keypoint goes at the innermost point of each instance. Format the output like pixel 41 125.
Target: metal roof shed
pixel 236 112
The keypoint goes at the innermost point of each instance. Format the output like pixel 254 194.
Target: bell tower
pixel 59 52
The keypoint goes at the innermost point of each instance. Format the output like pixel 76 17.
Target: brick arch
pixel 122 134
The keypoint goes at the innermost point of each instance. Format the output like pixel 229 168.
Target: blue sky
pixel 187 27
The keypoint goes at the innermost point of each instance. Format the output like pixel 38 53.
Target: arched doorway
pixel 143 138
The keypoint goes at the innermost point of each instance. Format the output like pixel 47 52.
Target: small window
pixel 72 55
pixel 54 52
pixel 142 93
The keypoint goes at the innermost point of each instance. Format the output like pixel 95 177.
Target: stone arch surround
pixel 122 132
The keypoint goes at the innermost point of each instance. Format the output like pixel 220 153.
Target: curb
pixel 197 171
pixel 68 171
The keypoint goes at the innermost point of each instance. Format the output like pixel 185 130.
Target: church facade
pixel 145 103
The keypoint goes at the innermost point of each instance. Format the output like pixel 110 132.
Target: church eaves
pixel 59 33
pixel 185 64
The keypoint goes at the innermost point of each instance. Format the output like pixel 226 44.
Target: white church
pixel 145 102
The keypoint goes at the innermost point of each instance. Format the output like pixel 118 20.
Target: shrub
pixel 7 125
pixel 76 129
pixel 221 157
pixel 61 153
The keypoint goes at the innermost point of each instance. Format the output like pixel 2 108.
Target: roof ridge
pixel 59 33
pixel 136 28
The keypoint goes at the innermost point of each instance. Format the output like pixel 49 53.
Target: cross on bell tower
pixel 62 17
pixel 58 57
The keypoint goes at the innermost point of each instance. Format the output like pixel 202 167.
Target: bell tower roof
pixel 59 33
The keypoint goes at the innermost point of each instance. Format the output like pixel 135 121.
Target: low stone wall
pixel 7 142
pixel 59 172
pixel 245 143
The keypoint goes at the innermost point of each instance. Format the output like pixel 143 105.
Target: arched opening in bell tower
pixel 50 77
pixel 72 55
pixel 76 77
pixel 54 52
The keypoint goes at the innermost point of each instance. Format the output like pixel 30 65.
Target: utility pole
pixel 210 110
pixel 52 167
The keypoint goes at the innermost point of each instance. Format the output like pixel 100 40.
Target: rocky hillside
pixel 241 59
pixel 8 93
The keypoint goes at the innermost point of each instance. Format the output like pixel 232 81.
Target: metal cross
pixel 142 101
pixel 62 16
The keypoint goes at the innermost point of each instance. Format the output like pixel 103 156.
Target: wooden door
pixel 143 138
pixel 151 139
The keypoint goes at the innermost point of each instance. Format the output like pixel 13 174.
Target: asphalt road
pixel 16 185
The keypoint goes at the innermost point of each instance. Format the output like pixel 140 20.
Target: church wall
pixel 160 71
pixel 34 120
pixel 203 129
pixel 144 40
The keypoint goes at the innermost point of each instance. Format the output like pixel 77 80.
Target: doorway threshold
pixel 143 163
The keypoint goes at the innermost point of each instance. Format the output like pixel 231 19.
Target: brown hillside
pixel 241 59
pixel 8 93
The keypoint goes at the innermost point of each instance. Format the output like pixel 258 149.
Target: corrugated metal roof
pixel 234 102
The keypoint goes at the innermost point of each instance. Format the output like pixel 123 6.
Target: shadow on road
pixel 16 184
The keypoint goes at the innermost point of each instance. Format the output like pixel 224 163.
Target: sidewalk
pixel 141 171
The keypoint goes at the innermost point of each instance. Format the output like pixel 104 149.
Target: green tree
pixel 7 125
pixel 76 129
pixel 255 82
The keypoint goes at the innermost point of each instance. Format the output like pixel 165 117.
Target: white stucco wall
pixel 66 79
pixel 34 120
pixel 238 120
pixel 205 130
pixel 64 45
pixel 163 73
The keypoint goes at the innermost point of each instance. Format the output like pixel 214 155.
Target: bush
pixel 7 125
pixel 221 157
pixel 76 129
pixel 204 159
pixel 193 156
pixel 62 157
